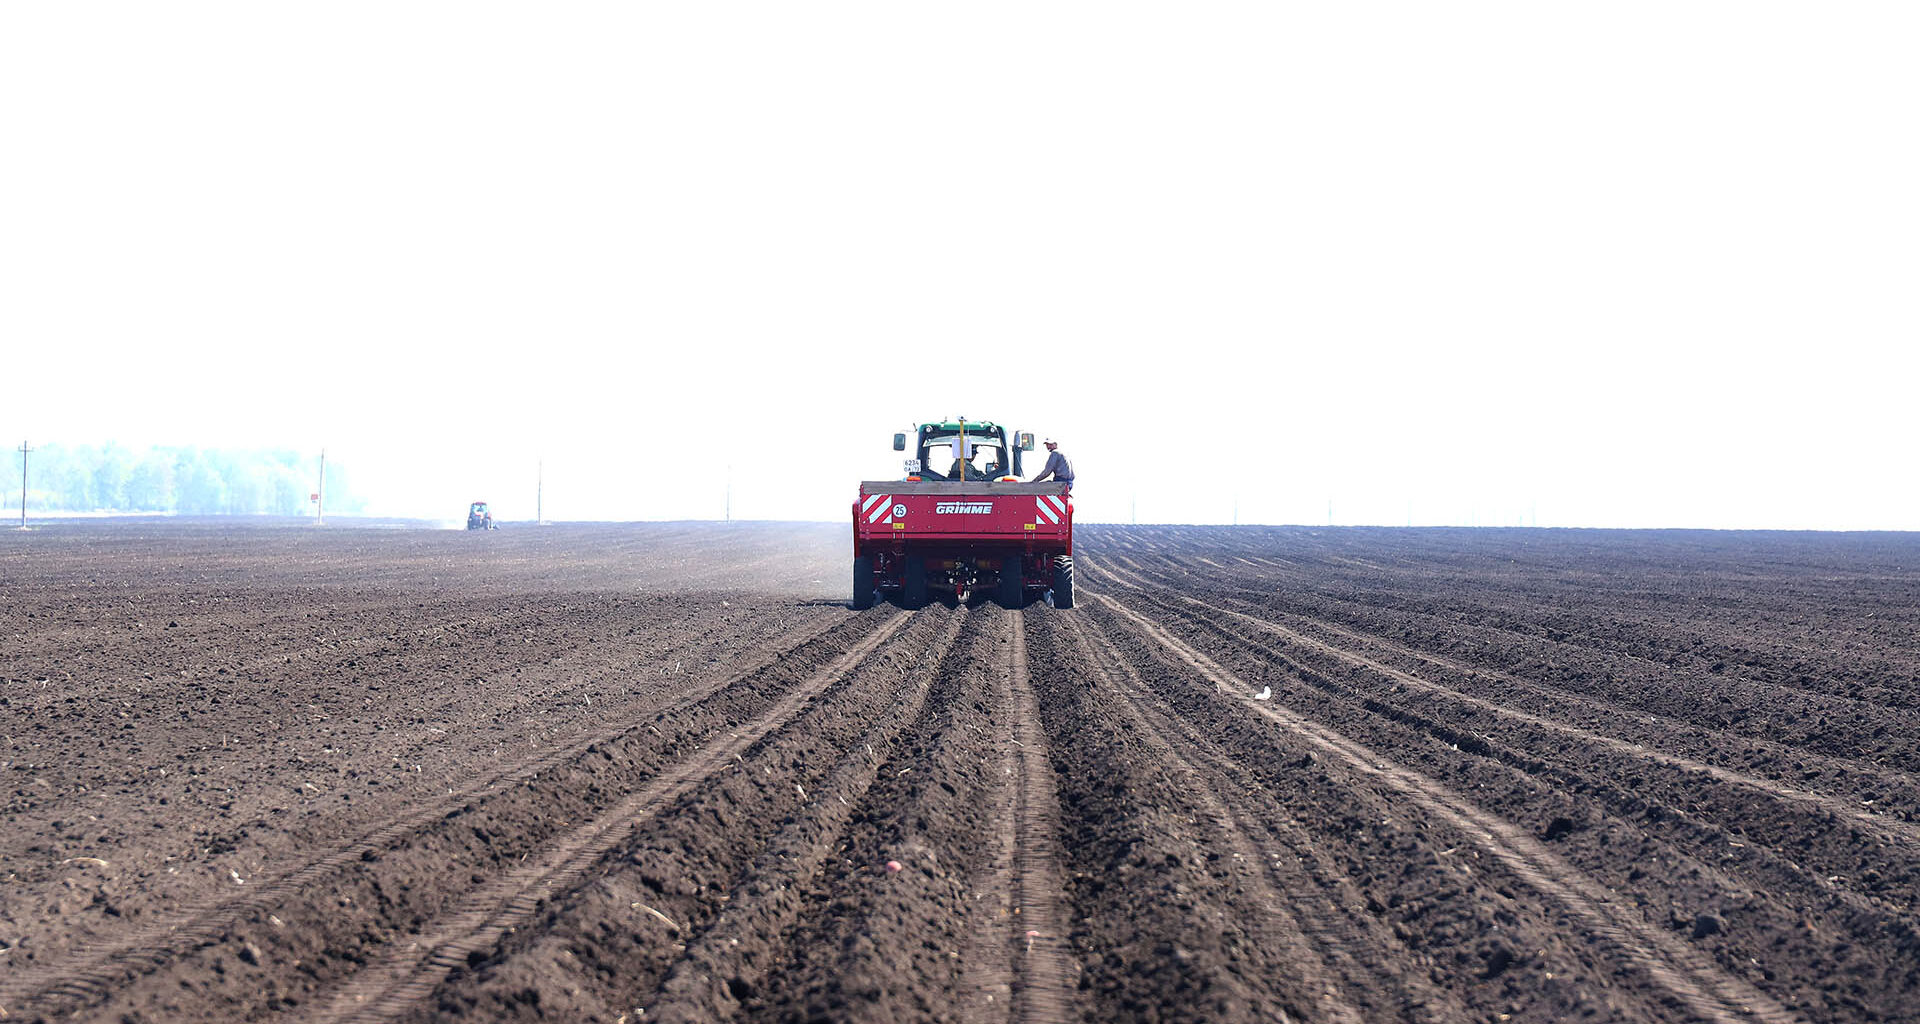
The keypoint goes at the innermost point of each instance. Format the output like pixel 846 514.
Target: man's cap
pixel 1049 441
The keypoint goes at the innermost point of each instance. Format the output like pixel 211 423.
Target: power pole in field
pixel 539 493
pixel 320 495
pixel 729 492
pixel 24 450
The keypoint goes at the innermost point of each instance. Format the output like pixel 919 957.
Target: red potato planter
pixel 975 525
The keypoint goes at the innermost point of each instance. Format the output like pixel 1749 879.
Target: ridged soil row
pixel 281 784
pixel 1168 924
pixel 913 914
pixel 685 918
pixel 1818 783
pixel 91 634
pixel 1314 963
pixel 1759 807
pixel 286 945
pixel 1350 955
pixel 871 943
pixel 1403 914
pixel 1836 704
pixel 399 983
pixel 1724 840
pixel 1869 789
pixel 1450 869
pixel 169 923
pixel 924 905
pixel 1863 803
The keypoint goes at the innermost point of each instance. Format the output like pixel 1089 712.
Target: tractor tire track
pixel 1043 967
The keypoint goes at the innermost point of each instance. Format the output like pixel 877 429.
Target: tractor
pixel 961 519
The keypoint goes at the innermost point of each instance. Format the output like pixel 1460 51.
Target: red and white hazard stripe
pixel 1048 509
pixel 877 507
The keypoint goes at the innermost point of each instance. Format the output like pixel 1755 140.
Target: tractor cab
pixel 479 517
pixel 962 451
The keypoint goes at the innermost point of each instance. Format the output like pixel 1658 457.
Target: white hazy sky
pixel 1624 264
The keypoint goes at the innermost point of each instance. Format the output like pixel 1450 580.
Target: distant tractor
pixel 478 517
pixel 962 519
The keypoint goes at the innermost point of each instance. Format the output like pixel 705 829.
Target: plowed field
pixel 662 772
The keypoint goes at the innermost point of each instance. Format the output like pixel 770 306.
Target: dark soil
pixel 662 772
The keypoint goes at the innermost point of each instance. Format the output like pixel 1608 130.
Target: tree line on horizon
pixel 185 480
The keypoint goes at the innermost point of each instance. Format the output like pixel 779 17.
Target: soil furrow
pixel 1729 840
pixel 99 971
pixel 1689 977
pixel 392 985
pixel 908 916
pixel 1759 811
pixel 1424 900
pixel 1892 829
pixel 1700 737
pixel 1707 679
pixel 712 975
pixel 715 872
pixel 1301 958
pixel 1893 792
pixel 1657 640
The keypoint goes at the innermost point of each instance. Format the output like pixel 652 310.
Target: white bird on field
pixel 1265 693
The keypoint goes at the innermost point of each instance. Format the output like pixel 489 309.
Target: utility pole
pixel 1133 509
pixel 320 503
pixel 729 492
pixel 24 450
pixel 539 493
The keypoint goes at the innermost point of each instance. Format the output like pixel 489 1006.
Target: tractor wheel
pixel 1013 582
pixel 1063 581
pixel 913 585
pixel 863 582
